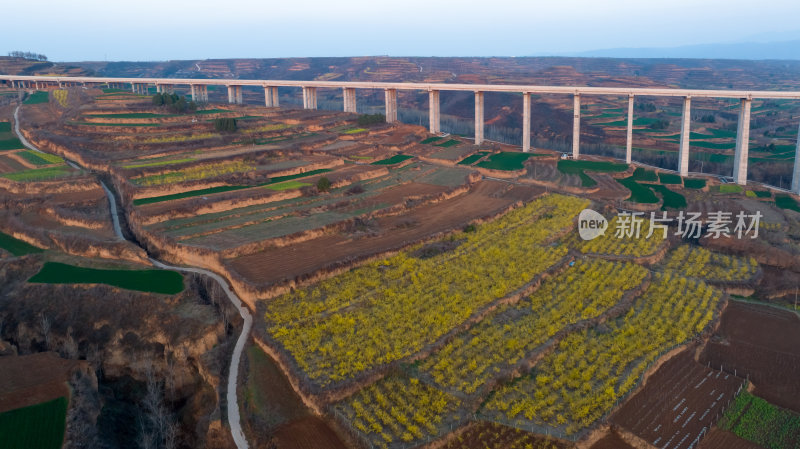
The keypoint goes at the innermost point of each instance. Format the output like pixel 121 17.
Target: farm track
pixel 234 418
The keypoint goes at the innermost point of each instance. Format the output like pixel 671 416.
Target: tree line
pixel 27 55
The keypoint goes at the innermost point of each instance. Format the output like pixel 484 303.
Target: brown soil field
pixel 276 264
pixel 762 343
pixel 394 195
pixel 547 170
pixel 612 440
pixel 609 188
pixel 310 432
pixel 271 401
pixel 490 435
pixel 721 439
pixel 33 379
pixel 678 402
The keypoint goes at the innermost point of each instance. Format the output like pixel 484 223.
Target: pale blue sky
pixel 200 29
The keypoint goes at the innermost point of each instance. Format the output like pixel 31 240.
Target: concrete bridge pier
pixel 309 98
pixel 629 135
pixel 796 171
pixel 390 99
pixel 235 95
pixel 526 122
pixel 576 125
pixel 478 118
pixel 276 102
pixel 271 96
pixel 433 111
pixel 683 152
pixel 199 93
pixel 742 143
pixel 349 97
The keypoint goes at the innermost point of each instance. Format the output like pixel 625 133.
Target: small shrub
pixel 355 190
pixel 323 184
pixel 370 119
pixel 225 124
pixel 470 228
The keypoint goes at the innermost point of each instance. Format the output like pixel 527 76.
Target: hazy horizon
pixel 91 30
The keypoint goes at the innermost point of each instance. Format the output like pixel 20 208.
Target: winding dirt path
pixel 234 418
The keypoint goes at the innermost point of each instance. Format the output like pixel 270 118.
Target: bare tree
pixel 45 324
pixel 157 425
pixel 69 348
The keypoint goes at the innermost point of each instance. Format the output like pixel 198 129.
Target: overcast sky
pixel 199 29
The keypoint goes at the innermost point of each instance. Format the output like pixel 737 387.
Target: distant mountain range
pixel 785 49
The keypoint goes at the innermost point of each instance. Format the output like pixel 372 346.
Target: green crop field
pixel 469 160
pixel 730 188
pixel 220 189
pixel 762 193
pixel 760 422
pixel 212 111
pixel 672 199
pixel 158 163
pixel 354 131
pixel 155 281
pixel 288 185
pixel 641 121
pixel 642 174
pixel 713 145
pixel 639 193
pixel 41 96
pixel 124 115
pixel 5 127
pixel 189 194
pixel 669 178
pixel 577 168
pixel 449 143
pixel 17 247
pixel 396 159
pixel 507 160
pixel 692 183
pixel 432 139
pixel 786 202
pixel 12 143
pixel 304 174
pixel 39 426
pixel 37 158
pixel 38 174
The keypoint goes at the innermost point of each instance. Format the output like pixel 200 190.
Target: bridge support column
pixel 160 89
pixel 742 143
pixel 478 118
pixel 390 97
pixel 796 171
pixel 349 97
pixel 576 125
pixel 433 111
pixel 309 98
pixel 276 102
pixel 235 95
pixel 629 135
pixel 199 93
pixel 526 122
pixel 269 100
pixel 683 152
